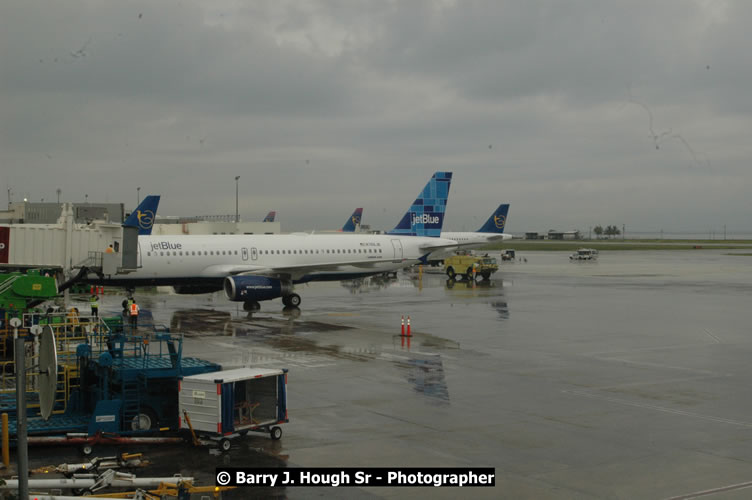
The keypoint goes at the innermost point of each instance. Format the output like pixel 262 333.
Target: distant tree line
pixel 609 231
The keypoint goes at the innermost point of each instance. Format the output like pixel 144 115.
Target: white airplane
pixel 253 268
pixel 491 232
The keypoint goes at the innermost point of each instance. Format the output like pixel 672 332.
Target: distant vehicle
pixel 465 264
pixel 584 254
pixel 507 255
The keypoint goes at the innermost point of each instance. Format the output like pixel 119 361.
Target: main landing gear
pixel 251 306
pixel 292 300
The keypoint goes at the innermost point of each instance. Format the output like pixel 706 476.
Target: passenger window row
pixel 266 252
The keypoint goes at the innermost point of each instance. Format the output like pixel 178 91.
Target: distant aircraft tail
pixel 353 221
pixel 144 215
pixel 497 221
pixel 426 215
pixel 270 216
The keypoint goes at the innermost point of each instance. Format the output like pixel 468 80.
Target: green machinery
pixel 19 291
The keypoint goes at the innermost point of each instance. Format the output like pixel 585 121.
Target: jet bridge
pixel 101 246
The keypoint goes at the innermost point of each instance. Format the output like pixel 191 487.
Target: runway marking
pixel 645 349
pixel 657 382
pixel 722 489
pixel 657 365
pixel 716 338
pixel 663 409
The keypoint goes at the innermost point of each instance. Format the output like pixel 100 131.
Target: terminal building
pixel 211 224
pixel 26 212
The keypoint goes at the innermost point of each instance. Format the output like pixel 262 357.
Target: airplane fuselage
pixel 207 260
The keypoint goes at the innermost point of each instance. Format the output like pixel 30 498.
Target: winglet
pixel 144 215
pixel 353 221
pixel 426 215
pixel 495 223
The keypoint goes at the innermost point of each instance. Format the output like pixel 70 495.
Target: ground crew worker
pixel 72 318
pixel 134 314
pixel 94 303
pixel 109 249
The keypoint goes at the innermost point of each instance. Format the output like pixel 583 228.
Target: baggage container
pixel 226 404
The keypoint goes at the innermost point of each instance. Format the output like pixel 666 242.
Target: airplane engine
pixel 255 288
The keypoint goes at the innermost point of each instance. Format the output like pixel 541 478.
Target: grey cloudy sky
pixel 577 113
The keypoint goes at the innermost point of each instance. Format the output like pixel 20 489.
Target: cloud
pixel 324 106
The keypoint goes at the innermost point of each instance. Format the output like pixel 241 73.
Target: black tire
pixel 275 432
pixel 293 300
pixel 145 420
pixel 251 306
pixel 286 300
pixel 450 272
pixel 225 445
pixel 469 273
pixel 486 274
pixel 87 449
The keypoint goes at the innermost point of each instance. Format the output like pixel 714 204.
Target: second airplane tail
pixel 270 216
pixel 497 221
pixel 426 215
pixel 353 221
pixel 144 215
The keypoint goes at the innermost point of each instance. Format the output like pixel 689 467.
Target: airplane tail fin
pixel 144 215
pixel 353 221
pixel 270 216
pixel 426 215
pixel 497 221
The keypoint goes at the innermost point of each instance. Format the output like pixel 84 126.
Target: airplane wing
pixel 291 272
pixel 434 248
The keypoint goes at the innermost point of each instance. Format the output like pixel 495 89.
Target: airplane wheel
pixel 450 272
pixel 293 300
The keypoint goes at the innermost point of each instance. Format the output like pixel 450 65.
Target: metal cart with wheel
pixel 218 407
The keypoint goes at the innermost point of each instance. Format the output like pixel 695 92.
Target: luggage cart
pixel 224 405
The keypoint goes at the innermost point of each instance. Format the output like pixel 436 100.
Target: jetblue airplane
pixel 143 216
pixel 353 221
pixel 270 216
pixel 253 268
pixel 490 232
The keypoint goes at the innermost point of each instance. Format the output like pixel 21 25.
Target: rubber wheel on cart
pixel 145 420
pixel 87 449
pixel 276 433
pixel 469 273
pixel 225 445
pixel 450 272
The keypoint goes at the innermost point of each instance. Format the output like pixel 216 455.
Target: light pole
pixel 237 217
pixel 138 196
pixel 58 194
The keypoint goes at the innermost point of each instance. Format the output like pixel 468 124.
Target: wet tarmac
pixel 622 378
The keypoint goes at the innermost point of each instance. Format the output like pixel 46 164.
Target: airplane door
pixel 397 245
pixel 244 253
pixel 254 253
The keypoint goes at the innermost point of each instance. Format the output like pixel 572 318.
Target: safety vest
pixel 134 309
pixel 94 301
